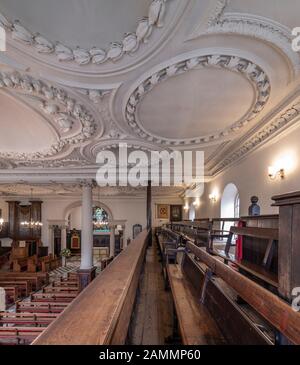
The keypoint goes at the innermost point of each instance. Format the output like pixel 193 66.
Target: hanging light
pixel 31 224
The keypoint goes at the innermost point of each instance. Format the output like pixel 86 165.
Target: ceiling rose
pixel 246 68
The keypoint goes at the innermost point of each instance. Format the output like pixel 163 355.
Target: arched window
pixel 100 220
pixel 230 204
pixel 192 213
pixel 237 206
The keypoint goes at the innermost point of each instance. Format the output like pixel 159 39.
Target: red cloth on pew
pixel 239 244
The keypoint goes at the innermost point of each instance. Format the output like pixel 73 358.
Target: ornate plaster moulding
pixel 91 151
pixel 260 28
pixel 250 25
pixel 129 45
pixel 72 160
pixel 57 104
pixel 284 119
pixel 198 60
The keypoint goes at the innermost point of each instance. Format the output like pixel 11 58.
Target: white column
pixel 63 237
pixel 87 227
pixel 112 241
pixel 50 239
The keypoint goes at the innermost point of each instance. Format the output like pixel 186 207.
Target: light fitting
pixel 213 197
pixel 273 172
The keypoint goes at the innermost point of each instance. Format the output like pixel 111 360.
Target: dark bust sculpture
pixel 254 208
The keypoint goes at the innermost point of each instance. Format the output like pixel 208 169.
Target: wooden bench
pixel 19 334
pixel 26 319
pixel 60 289
pixel 195 322
pixel 40 307
pixel 24 285
pixel 12 294
pixel 51 297
pixel 19 265
pixel 72 276
pixel 37 279
pixel 66 283
pixel 267 236
pixel 270 307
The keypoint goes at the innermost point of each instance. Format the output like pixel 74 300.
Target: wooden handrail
pixel 276 311
pixel 256 232
pixel 101 314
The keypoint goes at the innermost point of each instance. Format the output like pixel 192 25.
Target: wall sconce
pixel 196 203
pixel 1 224
pixel 186 207
pixel 273 172
pixel 213 197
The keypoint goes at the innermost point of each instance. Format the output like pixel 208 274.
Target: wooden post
pixel 289 243
pixel 149 211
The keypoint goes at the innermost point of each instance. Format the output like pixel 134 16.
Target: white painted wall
pixel 131 209
pixel 251 176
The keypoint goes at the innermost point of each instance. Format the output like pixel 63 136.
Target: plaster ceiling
pixel 193 75
pixel 198 103
pixel 75 23
pixel 20 125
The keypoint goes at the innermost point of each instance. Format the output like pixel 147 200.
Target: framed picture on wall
pixel 176 213
pixel 163 211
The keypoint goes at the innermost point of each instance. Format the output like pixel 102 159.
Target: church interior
pixel 89 258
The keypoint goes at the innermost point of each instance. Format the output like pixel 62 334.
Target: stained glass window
pixel 100 219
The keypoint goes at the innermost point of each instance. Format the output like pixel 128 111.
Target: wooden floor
pixel 152 322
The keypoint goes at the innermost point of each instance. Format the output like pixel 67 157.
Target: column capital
pixel 88 183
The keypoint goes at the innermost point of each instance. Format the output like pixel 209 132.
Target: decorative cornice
pixel 55 102
pixel 248 69
pixel 286 118
pixel 217 13
pixel 257 27
pixel 115 52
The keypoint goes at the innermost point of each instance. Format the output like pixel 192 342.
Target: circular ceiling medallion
pixel 203 103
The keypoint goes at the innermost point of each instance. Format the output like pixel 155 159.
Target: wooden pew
pixel 40 307
pixel 61 289
pixel 168 244
pixel 19 265
pixel 278 313
pixel 103 310
pixel 24 285
pixel 65 283
pixel 71 276
pixel 12 294
pixel 26 319
pixel 196 325
pixel 37 279
pixel 19 335
pixel 53 297
pixel 260 269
